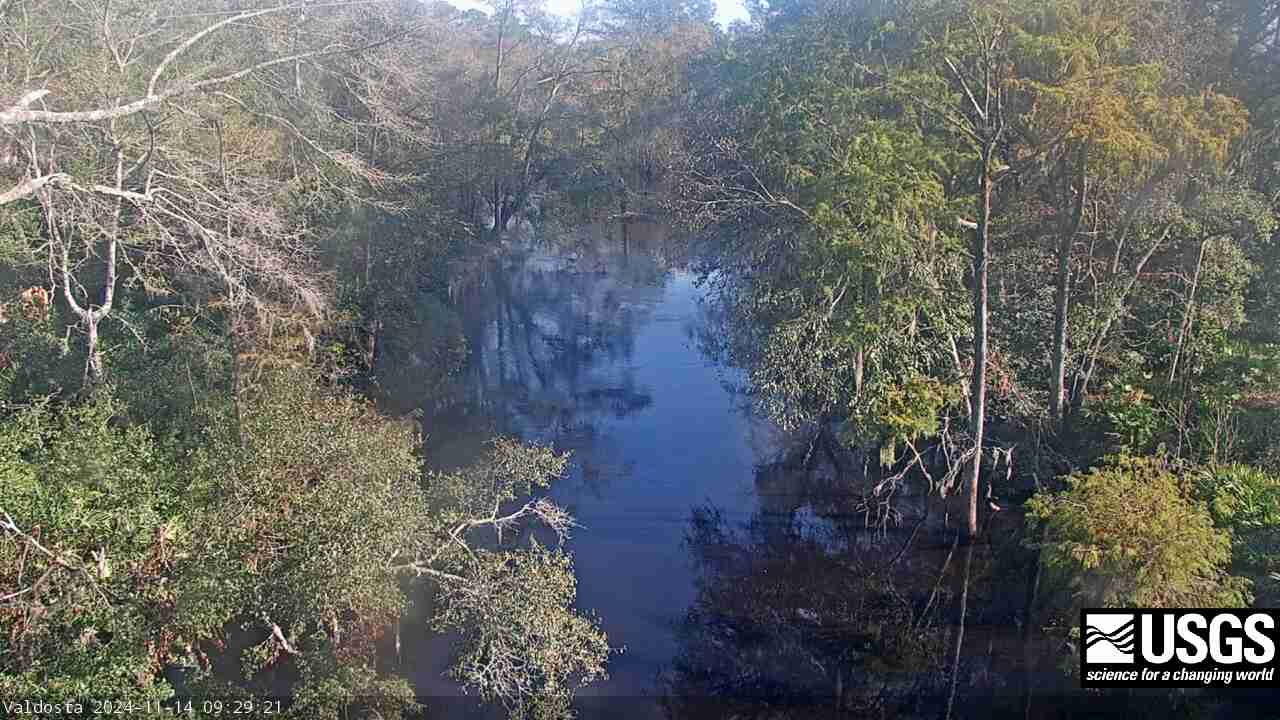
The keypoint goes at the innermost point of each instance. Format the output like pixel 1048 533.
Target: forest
pixel 289 408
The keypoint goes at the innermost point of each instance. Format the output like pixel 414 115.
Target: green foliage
pixel 905 412
pixel 1246 501
pixel 302 503
pixel 509 471
pixel 1262 296
pixel 1130 414
pixel 35 359
pixel 277 546
pixel 329 689
pixel 910 410
pixel 1129 534
pixel 832 261
pixel 95 530
pixel 522 643
pixel 1221 407
pixel 178 348
pixel 1242 497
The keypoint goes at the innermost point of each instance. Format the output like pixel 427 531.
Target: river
pixel 735 579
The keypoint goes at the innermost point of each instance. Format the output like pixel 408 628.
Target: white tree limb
pixel 186 45
pixel 29 187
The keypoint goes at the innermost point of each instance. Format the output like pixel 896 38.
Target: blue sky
pixel 726 10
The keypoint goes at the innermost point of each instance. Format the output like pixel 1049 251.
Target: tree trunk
pixel 368 256
pixel 870 300
pixel 93 370
pixel 497 91
pixel 978 382
pixel 90 316
pixel 238 352
pixel 623 209
pixel 1061 300
pixel 497 208
pixel 1188 314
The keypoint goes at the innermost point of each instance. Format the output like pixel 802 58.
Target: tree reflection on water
pixel 803 613
pixel 792 613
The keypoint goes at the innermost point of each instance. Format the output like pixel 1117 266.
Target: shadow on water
pixel 740 580
pixel 810 609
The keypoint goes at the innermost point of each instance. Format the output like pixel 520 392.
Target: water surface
pixel 740 572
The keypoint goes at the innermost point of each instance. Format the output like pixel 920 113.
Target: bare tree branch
pixel 30 186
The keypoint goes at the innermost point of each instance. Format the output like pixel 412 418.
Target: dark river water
pixel 738 576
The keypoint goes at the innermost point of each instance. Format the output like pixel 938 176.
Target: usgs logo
pixel 1178 648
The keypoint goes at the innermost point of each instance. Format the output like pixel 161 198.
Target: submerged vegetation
pixel 1021 257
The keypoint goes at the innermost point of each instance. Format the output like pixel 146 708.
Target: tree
pixel 153 166
pixel 634 91
pixel 90 528
pixel 1129 535
pixel 516 75
pixel 974 66
pixel 283 543
pixel 1024 86
pixel 835 274
pixel 315 514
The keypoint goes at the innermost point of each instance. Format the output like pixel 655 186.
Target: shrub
pixel 92 533
pixel 1129 534
pixel 1246 501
